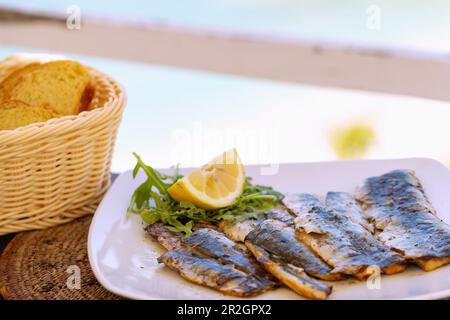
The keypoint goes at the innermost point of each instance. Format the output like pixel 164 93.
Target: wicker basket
pixel 56 171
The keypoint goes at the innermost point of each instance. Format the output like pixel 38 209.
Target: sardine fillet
pixel 211 273
pixel 237 232
pixel 292 276
pixel 405 219
pixel 215 244
pixel 166 238
pixel 207 257
pixel 278 239
pixel 346 204
pixel 273 243
pixel 342 243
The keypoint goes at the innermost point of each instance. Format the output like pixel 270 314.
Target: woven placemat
pixel 50 264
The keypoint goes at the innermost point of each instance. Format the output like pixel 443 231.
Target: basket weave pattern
pixel 54 172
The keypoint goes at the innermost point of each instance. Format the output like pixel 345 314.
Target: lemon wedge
pixel 215 185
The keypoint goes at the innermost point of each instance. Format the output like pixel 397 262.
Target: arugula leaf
pixel 154 177
pixel 153 203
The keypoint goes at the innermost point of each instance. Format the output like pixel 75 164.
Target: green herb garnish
pixel 153 203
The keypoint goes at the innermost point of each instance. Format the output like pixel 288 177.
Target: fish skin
pixel 208 258
pixel 281 222
pixel 211 273
pixel 280 213
pixel 346 204
pixel 279 239
pixel 404 218
pixel 343 244
pixel 168 239
pixel 293 277
pixel 237 232
pixel 214 244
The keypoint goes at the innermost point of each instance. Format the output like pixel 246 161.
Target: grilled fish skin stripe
pixel 292 276
pixel 346 204
pixel 208 258
pixel 272 241
pixel 279 240
pixel 345 245
pixel 211 273
pixel 404 218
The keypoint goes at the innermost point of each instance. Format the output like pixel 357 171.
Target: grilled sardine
pixel 342 243
pixel 345 204
pixel 278 239
pixel 272 241
pixel 292 276
pixel 207 257
pixel 280 213
pixel 214 244
pixel 168 239
pixel 404 218
pixel 211 273
pixel 238 231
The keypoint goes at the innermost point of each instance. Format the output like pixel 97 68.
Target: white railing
pixel 292 60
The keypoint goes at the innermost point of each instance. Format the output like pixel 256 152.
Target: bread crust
pixel 15 114
pixel 61 85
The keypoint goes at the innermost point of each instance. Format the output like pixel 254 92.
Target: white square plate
pixel 123 257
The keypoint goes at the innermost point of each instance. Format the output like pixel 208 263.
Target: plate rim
pixel 93 263
pixel 442 294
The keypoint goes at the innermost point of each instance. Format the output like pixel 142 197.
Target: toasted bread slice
pixel 15 114
pixel 20 60
pixel 57 85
